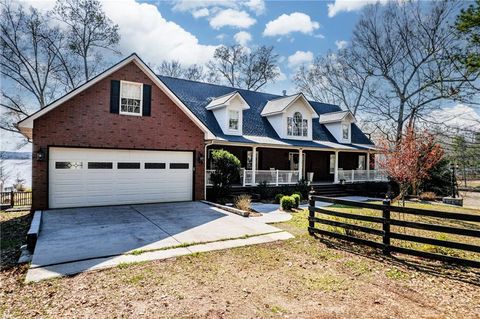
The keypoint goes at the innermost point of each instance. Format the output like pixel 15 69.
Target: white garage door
pixel 94 177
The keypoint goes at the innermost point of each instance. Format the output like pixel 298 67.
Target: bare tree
pixel 194 72
pixel 89 30
pixel 171 68
pixel 243 68
pixel 334 79
pixel 26 59
pixel 4 174
pixel 408 50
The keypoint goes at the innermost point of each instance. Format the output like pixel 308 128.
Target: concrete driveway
pixel 86 234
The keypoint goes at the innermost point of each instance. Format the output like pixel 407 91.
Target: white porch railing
pixel 271 177
pixel 361 175
pixel 285 177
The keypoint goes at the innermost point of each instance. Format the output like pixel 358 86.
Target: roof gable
pixel 334 117
pixel 225 100
pixel 281 104
pixel 26 125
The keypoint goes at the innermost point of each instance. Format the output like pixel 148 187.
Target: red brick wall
pixel 86 121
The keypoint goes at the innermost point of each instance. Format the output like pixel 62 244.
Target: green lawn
pixel 410 231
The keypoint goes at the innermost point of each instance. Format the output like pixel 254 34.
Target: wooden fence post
pixel 311 212
pixel 12 199
pixel 386 228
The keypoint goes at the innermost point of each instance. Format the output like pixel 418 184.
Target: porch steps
pixel 330 190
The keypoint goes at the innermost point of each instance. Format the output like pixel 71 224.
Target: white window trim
pixel 238 120
pixel 141 99
pixel 301 129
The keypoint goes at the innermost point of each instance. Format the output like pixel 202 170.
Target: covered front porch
pixel 289 165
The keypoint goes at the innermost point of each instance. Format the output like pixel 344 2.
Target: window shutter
pixel 114 96
pixel 147 100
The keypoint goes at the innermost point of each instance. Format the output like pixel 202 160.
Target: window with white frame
pixel 233 119
pixel 131 98
pixel 297 125
pixel 345 129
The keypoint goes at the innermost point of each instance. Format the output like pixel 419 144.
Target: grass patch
pixel 396 274
pixel 410 231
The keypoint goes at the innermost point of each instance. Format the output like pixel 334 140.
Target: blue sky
pixel 323 34
pixel 189 31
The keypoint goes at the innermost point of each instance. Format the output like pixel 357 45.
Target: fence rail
pixel 15 199
pixel 360 175
pixel 386 234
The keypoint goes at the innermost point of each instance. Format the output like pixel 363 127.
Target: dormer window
pixel 297 125
pixel 131 98
pixel 233 118
pixel 345 131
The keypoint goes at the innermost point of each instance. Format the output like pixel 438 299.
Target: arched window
pixel 297 125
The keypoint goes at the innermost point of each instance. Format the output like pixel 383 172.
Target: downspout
pixel 205 169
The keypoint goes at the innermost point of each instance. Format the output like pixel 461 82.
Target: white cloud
pixel 144 31
pixel 286 24
pixel 460 116
pixel 349 5
pixel 299 58
pixel 242 38
pixel 341 44
pixel 189 5
pixel 200 13
pixel 232 18
pixel 257 6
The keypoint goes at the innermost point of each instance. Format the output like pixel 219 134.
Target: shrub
pixel 302 187
pixel 427 196
pixel 296 197
pixel 243 202
pixel 265 191
pixel 227 168
pixel 287 202
pixel 278 197
pixel 299 194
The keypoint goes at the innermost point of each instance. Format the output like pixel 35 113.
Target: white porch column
pixel 335 176
pixel 368 166
pixel 300 164
pixel 254 164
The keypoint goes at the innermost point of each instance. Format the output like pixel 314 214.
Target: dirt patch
pixel 304 277
pixel 13 231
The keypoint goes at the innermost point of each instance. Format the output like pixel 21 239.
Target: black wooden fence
pixel 15 199
pixel 386 234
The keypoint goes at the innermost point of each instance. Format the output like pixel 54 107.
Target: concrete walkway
pixel 271 213
pixel 81 239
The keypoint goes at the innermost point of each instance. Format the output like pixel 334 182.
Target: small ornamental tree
pixel 410 160
pixel 227 168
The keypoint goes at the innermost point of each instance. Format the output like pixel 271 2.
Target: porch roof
pixel 197 95
pixel 250 140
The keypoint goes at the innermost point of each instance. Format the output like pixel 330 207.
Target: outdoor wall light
pixel 41 155
pixel 200 158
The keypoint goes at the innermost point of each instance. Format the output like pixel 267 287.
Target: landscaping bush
pixel 243 202
pixel 287 202
pixel 265 191
pixel 278 197
pixel 227 168
pixel 297 199
pixel 302 188
pixel 427 196
pixel 299 194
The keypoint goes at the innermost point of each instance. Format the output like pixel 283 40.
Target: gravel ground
pixel 304 277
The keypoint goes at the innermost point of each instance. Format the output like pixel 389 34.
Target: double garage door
pixel 93 177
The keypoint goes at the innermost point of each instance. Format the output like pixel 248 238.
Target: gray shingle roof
pixel 197 95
